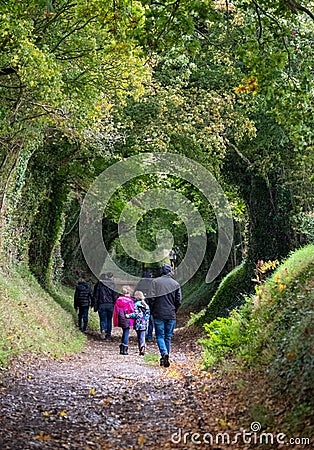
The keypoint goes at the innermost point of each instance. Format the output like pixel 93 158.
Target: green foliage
pixel 151 359
pixel 223 336
pixel 197 294
pixel 229 295
pixel 227 84
pixel 45 234
pixel 62 66
pixel 304 223
pixel 272 332
pixel 30 321
pixel 283 313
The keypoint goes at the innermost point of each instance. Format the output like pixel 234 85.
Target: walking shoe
pixel 162 361
pixel 121 349
pixel 166 360
pixel 142 350
pixel 125 349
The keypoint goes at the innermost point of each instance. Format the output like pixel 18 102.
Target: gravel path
pixel 97 399
pixel 100 400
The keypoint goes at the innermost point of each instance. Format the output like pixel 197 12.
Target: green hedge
pixel 229 295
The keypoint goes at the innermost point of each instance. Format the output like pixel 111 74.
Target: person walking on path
pixel 105 297
pixel 141 315
pixel 172 258
pixel 145 286
pixel 83 299
pixel 165 303
pixel 124 305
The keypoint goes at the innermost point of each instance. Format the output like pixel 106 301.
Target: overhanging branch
pixel 295 7
pixel 243 157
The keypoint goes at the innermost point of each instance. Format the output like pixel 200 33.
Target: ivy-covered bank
pixel 32 322
pixel 271 336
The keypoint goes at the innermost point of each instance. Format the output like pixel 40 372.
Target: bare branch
pixel 243 157
pixel 259 37
pixel 74 30
pixel 7 71
pixel 295 6
pixel 259 8
pixel 50 109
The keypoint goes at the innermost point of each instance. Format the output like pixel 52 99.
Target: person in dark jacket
pixel 145 286
pixel 105 297
pixel 83 299
pixel 165 303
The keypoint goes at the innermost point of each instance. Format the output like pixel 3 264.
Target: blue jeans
pixel 164 331
pixel 150 328
pixel 141 338
pixel 83 317
pixel 125 336
pixel 105 312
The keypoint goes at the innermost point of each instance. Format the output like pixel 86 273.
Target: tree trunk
pixel 270 234
pixel 46 229
pixel 9 160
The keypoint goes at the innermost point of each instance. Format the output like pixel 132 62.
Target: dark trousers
pixel 105 312
pixel 125 336
pixel 83 318
pixel 150 328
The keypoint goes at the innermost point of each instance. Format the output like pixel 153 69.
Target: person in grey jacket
pixel 165 303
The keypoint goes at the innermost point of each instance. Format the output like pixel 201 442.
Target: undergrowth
pixel 272 332
pixel 31 321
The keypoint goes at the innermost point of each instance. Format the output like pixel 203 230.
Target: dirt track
pixel 96 399
pixel 100 400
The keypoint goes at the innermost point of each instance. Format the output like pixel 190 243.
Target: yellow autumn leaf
pixel 277 277
pixel 46 413
pixel 223 422
pixel 173 373
pixel 63 414
pixel 141 440
pixel 92 391
pixel 282 287
pixel 43 437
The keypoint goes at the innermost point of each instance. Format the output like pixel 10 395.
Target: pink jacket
pixel 123 303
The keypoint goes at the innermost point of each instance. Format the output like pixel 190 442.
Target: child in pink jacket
pixel 124 305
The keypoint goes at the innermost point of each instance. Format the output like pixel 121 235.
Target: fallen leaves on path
pixel 99 399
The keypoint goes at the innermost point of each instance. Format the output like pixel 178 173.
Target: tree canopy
pixel 86 84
